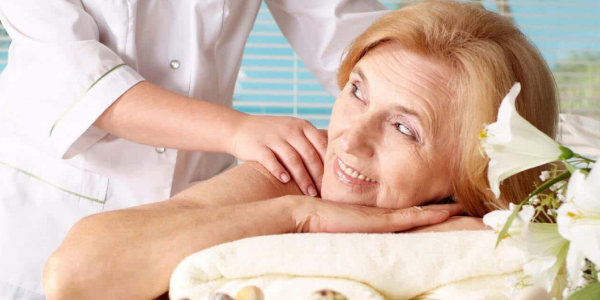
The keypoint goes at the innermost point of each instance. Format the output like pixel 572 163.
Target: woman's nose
pixel 358 140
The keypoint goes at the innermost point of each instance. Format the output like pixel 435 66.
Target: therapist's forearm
pixel 132 253
pixel 151 115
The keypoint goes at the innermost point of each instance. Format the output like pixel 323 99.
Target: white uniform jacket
pixel 71 59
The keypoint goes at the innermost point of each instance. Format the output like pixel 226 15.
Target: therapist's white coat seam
pixel 217 42
pixel 128 27
pixel 82 96
pixel 17 291
pixel 51 184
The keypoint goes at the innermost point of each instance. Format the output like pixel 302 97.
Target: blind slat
pixel 274 69
pixel 279 92
pixel 282 104
pixel 278 80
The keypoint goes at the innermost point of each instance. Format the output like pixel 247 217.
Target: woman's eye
pixel 402 128
pixel 356 91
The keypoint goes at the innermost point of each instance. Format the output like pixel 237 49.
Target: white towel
pixel 360 266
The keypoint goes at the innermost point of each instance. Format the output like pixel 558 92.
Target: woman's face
pixel 390 137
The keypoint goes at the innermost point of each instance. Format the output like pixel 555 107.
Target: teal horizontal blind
pixel 4 42
pixel 274 81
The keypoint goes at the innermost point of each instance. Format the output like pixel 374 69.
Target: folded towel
pixel 360 266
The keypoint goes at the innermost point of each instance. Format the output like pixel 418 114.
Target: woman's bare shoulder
pixel 247 182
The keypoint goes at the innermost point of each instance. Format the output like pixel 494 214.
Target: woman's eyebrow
pixel 358 71
pixel 407 111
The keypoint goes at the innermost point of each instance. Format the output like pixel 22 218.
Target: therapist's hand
pixel 285 146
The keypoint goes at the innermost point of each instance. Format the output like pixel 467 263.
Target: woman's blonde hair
pixel 486 54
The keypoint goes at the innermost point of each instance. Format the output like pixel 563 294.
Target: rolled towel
pixel 359 266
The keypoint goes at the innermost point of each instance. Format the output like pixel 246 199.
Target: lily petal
pixel 548 250
pixel 514 145
pixel 496 220
pixel 579 221
pixel 575 264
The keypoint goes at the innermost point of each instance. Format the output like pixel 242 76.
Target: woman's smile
pixel 350 175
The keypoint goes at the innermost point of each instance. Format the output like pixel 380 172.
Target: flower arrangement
pixel 558 224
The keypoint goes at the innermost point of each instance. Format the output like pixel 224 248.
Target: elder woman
pixel 417 87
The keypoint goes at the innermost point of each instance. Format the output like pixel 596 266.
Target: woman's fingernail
pixel 312 191
pixel 285 178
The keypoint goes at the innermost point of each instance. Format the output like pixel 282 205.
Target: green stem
pixel 545 214
pixel 584 158
pixel 538 190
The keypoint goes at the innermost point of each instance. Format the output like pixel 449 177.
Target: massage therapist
pixel 112 104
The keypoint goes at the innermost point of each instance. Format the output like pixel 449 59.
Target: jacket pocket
pixel 30 174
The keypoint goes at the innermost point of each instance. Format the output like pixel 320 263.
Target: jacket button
pixel 174 64
pixel 160 150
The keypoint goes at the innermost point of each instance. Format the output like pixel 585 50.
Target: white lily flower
pixel 513 144
pixel 496 220
pixel 579 221
pixel 547 250
pixel 587 129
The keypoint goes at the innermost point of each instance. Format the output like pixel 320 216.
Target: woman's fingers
pixel 453 208
pixel 294 163
pixel 454 223
pixel 328 216
pixel 409 218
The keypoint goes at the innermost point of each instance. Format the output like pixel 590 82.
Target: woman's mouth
pixel 350 176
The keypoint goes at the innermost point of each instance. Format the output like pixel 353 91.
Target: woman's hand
pixel 317 215
pixel 454 223
pixel 283 145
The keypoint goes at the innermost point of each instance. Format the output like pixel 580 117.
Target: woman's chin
pixel 337 196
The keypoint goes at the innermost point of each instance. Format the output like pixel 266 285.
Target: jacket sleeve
pixel 320 31
pixel 59 78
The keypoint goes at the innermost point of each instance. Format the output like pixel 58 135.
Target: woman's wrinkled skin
pixel 392 123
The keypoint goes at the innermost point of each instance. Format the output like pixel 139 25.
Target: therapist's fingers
pixel 268 159
pixel 294 164
pixel 324 132
pixel 310 157
pixel 318 139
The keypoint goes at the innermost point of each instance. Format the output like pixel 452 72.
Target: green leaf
pixel 590 292
pixel 540 189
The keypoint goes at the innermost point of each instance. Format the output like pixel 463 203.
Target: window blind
pixel 274 81
pixel 4 43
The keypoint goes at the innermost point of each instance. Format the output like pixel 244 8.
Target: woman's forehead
pixel 403 71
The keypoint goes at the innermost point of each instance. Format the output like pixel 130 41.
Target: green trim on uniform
pixel 52 184
pixel 81 97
